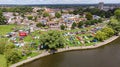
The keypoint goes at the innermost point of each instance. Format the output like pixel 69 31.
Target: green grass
pixel 4 29
pixel 2 61
pixel 33 54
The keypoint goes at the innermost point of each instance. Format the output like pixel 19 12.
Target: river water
pixel 105 56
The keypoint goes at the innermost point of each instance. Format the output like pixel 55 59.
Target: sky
pixel 56 1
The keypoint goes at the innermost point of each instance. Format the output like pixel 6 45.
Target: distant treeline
pixel 56 5
pixel 94 11
pixel 78 9
pixel 17 9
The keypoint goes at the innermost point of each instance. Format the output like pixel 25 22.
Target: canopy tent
pixel 22 34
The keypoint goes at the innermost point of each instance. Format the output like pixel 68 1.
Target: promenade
pixel 66 49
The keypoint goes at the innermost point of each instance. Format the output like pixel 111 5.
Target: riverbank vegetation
pixel 115 22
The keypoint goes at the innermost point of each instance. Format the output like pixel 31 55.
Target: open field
pixel 4 29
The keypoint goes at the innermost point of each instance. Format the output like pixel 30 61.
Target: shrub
pixel 12 56
pixel 100 36
pixel 109 31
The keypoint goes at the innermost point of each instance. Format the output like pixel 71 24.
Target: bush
pixel 104 33
pixel 12 56
pixel 27 49
pixel 100 36
pixel 9 46
pixel 108 31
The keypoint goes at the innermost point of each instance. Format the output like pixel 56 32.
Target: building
pixel 107 7
pixel 101 5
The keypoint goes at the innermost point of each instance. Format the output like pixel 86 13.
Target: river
pixel 105 56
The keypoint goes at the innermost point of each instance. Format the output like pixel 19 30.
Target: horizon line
pixel 61 4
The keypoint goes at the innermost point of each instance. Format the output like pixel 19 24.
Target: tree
pixel 100 36
pixel 58 15
pixel 73 25
pixel 52 39
pixel 30 17
pixel 115 25
pixel 108 31
pixel 62 27
pixel 40 25
pixel 89 16
pixel 117 14
pixel 45 14
pixel 77 11
pixel 87 23
pixel 117 28
pixel 100 20
pixel 12 56
pixel 40 12
pixel 2 19
pixel 80 24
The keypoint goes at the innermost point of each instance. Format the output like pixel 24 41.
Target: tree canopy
pixel 89 16
pixel 52 39
pixel 117 14
pixel 45 14
pixel 58 15
pixel 73 25
pixel 104 33
pixel 2 19
pixel 62 27
pixel 100 36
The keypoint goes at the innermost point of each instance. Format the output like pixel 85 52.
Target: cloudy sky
pixel 56 1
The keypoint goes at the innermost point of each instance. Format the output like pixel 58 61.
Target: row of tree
pixel 94 11
pixel 104 33
pixel 17 9
pixel 86 23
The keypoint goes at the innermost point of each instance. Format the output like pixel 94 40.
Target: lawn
pixel 4 29
pixel 2 61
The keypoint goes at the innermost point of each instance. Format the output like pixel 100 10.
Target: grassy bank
pixel 3 62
